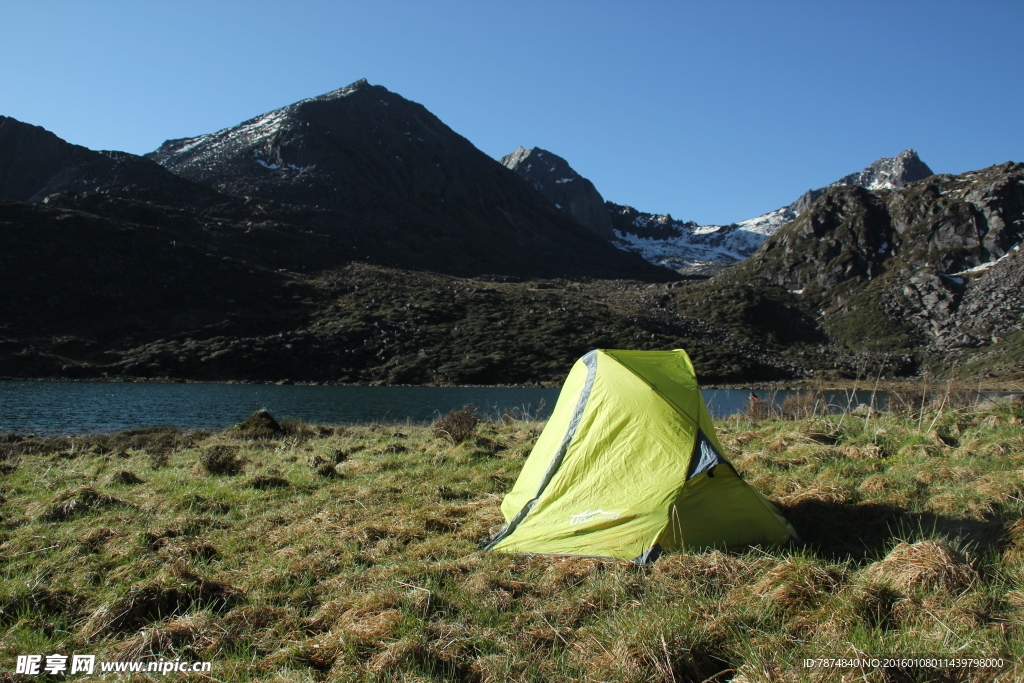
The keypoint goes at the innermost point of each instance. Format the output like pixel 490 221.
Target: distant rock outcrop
pixel 564 187
pixel 678 244
pixel 933 264
pixel 885 174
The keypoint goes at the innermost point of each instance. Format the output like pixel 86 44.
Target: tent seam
pixel 590 360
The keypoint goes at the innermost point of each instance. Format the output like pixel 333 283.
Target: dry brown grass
pixel 713 570
pixel 876 484
pixel 803 405
pixel 931 565
pixel 1013 541
pixel 79 501
pixel 792 584
pixel 174 592
pixel 862 451
pixel 196 637
pixel 458 425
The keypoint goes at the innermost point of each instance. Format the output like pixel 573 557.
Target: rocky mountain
pixel 32 157
pixel 682 245
pixel 355 238
pixel 564 187
pixel 351 237
pixel 36 165
pixel 884 174
pixel 387 181
pixel 929 270
pixel 679 244
pixel 659 239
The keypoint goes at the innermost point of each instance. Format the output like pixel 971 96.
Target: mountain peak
pixel 290 141
pixel 888 173
pixel 358 86
pixel 538 162
pixel 376 164
pixel 30 156
pixel 565 188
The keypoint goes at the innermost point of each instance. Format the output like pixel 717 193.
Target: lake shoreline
pixel 65 407
pixel 932 384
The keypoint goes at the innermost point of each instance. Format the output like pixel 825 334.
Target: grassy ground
pixel 286 552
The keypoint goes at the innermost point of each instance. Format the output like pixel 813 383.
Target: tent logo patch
pixel 591 515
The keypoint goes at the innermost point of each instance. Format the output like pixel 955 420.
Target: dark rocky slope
pixel 564 187
pixel 684 245
pixel 922 276
pixel 35 165
pixel 213 298
pixel 390 183
pixel 32 156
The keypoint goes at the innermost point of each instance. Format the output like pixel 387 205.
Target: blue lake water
pixel 83 407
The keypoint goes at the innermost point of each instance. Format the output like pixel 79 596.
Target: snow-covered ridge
pixel 664 241
pixel 259 128
pixel 683 251
pixel 679 242
pixel 256 132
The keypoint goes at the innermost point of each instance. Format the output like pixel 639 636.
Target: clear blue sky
pixel 712 111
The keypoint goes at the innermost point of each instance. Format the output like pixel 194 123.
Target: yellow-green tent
pixel 629 467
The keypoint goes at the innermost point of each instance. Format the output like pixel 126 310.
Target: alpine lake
pixel 63 407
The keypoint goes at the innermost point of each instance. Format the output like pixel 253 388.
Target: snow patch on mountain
pixel 664 241
pixel 253 130
pixel 768 223
pixel 259 133
pixel 678 252
pixel 985 266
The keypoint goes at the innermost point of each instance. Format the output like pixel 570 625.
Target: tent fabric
pixel 629 466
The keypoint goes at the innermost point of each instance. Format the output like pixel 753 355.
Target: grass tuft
pixel 77 502
pixel 221 459
pixel 262 482
pixel 458 425
pixel 926 564
pixel 124 478
pixel 168 595
pixel 259 425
